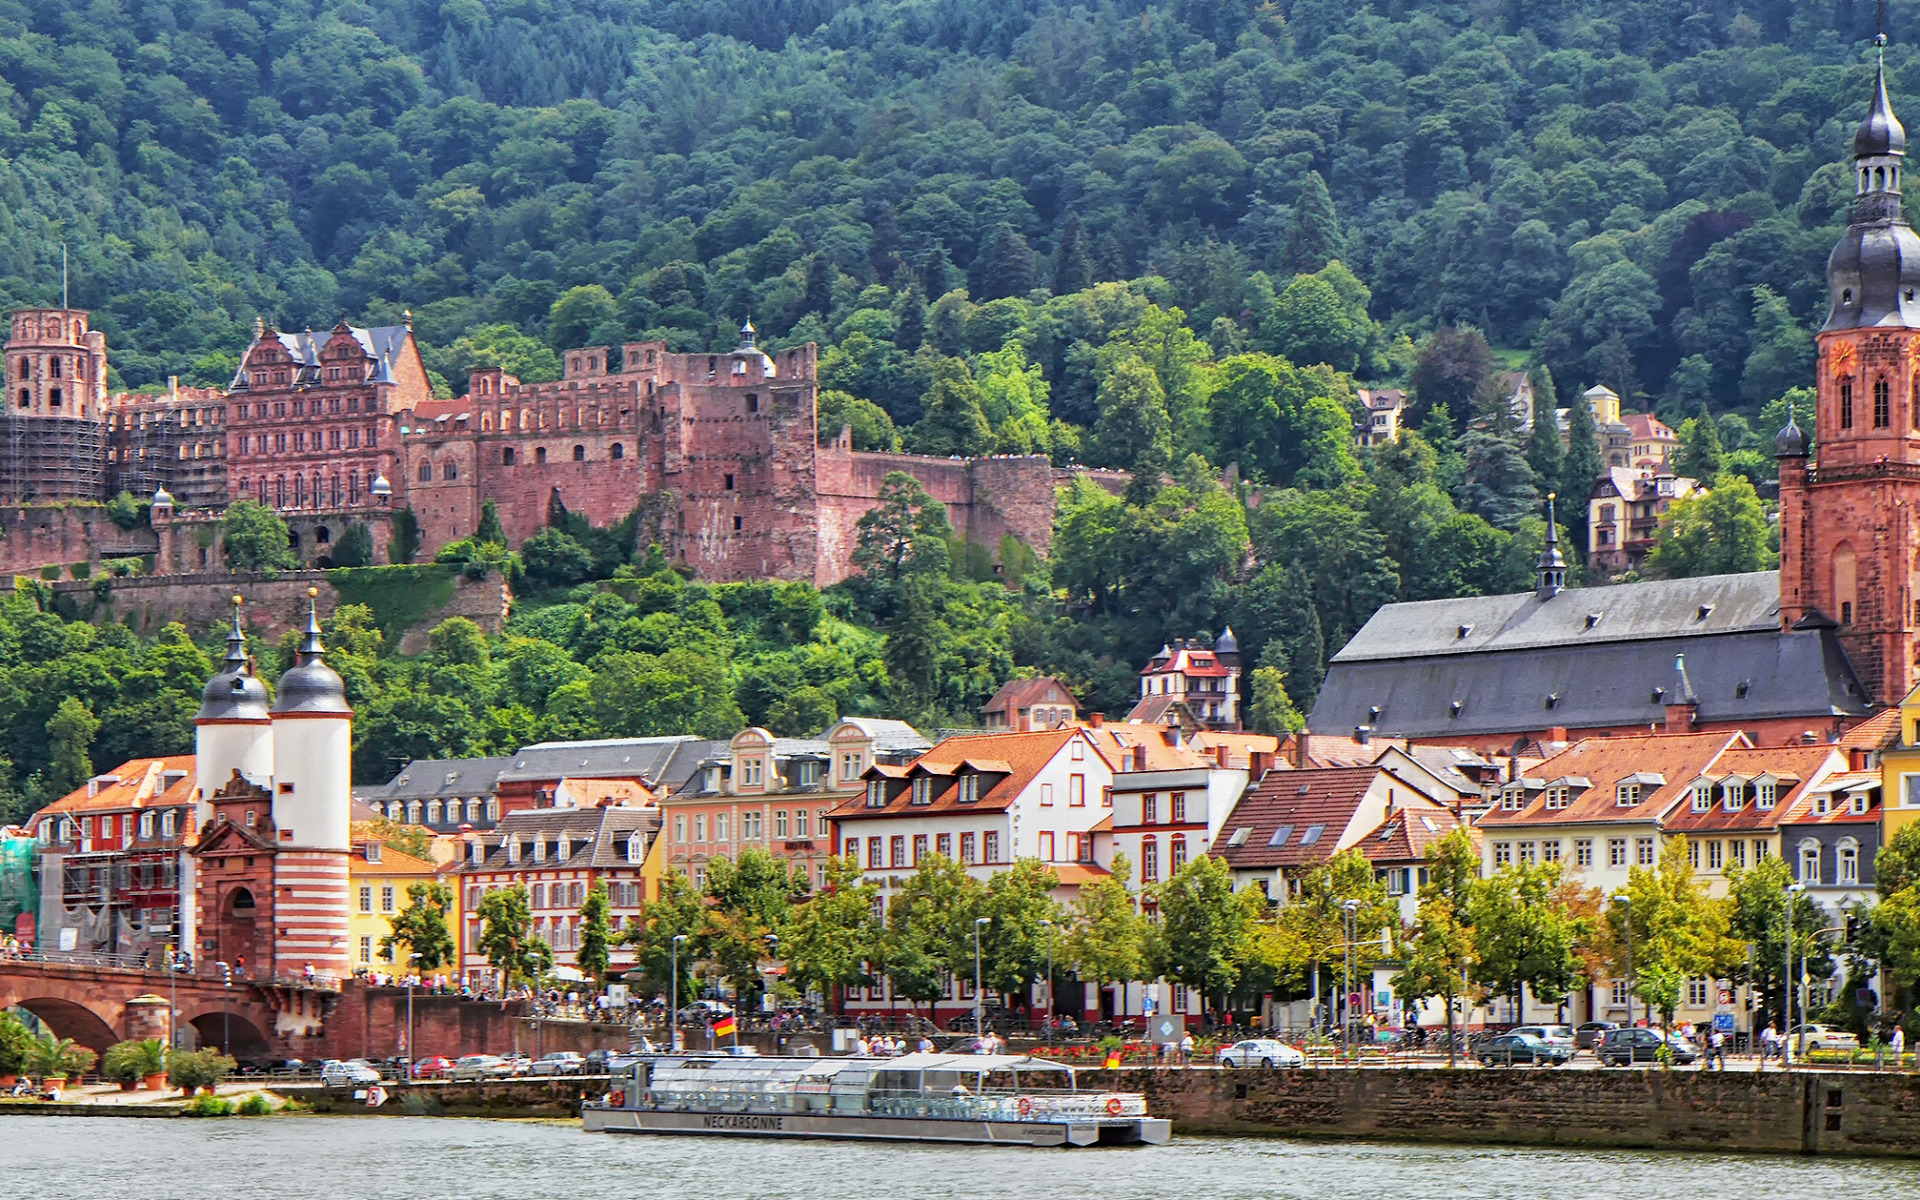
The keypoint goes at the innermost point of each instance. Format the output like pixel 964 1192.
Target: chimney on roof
pixel 1683 706
pixel 1259 762
pixel 1220 755
pixel 1299 748
pixel 1363 734
pixel 1556 733
pixel 1096 720
pixel 1140 758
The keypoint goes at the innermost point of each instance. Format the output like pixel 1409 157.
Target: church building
pixel 1794 655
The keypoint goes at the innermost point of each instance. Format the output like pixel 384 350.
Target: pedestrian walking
pixel 1769 1043
pixel 1899 1047
pixel 1717 1049
pixel 1186 1050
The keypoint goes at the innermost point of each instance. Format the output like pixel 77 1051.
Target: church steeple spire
pixel 1552 567
pixel 1873 274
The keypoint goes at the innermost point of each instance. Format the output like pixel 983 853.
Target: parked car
pixel 1269 1053
pixel 1512 1049
pixel 1618 1047
pixel 433 1068
pixel 704 1010
pixel 353 1072
pixel 286 1066
pixel 517 1063
pixel 1559 1036
pixel 1587 1035
pixel 1822 1037
pixel 560 1062
pixel 480 1066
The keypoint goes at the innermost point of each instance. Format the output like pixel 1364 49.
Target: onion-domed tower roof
pixel 236 693
pixel 311 688
pixel 1873 274
pixel 1792 440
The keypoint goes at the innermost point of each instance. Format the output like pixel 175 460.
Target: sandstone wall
pixel 36 536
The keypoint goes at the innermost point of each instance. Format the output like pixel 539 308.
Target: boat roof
pixel 964 1062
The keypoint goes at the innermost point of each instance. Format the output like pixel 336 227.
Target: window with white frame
pixel 1618 993
pixel 876 852
pixel 1737 853
pixel 1526 852
pixel 1513 797
pixel 922 791
pixel 752 825
pixel 166 823
pixel 1858 801
pixel 876 794
pixel 1583 852
pixel 1626 794
pixel 919 849
pixel 1702 797
pixel 1698 992
pixel 990 846
pixel 1076 790
pixel 1178 804
pixel 1760 850
pixel 1693 854
pixel 1715 856
pixel 969 788
pixel 1550 852
pixel 943 845
pixel 967 852
pixel 1643 851
pixel 1847 862
pixel 720 827
pixel 1079 751
pixel 1616 852
pixel 1810 861
pixel 1765 793
pixel 1149 809
pixel 146 825
pixel 1558 796
pixel 851 764
pixel 752 771
pixel 1822 803
pixel 366 898
pixel 1502 853
pixel 1733 795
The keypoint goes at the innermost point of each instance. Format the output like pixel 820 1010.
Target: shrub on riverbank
pixel 132 1061
pixel 256 1105
pixel 199 1069
pixel 209 1106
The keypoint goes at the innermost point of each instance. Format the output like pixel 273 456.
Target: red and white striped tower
pixel 312 778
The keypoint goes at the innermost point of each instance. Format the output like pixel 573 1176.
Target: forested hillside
pixel 1167 237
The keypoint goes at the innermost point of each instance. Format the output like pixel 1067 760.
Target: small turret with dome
pixel 232 731
pixel 310 686
pixel 1792 441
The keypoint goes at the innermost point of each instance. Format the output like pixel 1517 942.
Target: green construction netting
pixel 17 893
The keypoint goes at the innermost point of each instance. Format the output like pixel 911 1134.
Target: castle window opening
pixel 539 454
pixel 353 489
pixel 26 398
pixel 323 535
pixel 299 407
pixel 736 524
pixel 53 368
pixel 753 403
pixel 1881 417
pixel 353 404
pixel 53 397
pixel 1846 404
pixel 618 452
pixel 426 472
pixel 579 454
pixel 506 456
pixel 729 483
pixel 449 471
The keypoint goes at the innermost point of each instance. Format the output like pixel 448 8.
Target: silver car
pixel 1261 1052
pixel 471 1067
pixel 560 1062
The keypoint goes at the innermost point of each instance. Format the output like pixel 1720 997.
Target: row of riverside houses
pixel 125 865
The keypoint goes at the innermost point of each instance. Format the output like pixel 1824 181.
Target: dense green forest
pixel 1169 237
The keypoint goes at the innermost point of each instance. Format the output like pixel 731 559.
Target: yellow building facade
pixel 378 876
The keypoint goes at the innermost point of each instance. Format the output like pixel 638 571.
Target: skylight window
pixel 1311 834
pixel 1280 836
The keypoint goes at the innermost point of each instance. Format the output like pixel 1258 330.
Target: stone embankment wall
pixel 1863 1112
pixel 33 536
pixel 272 606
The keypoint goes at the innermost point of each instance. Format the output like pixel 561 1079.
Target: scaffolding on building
pixel 48 459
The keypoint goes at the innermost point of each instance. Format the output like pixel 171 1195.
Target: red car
pixel 432 1068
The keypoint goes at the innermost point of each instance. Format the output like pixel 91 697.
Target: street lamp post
pixel 1626 905
pixel 1049 929
pixel 226 1008
pixel 979 1030
pixel 1786 983
pixel 1348 910
pixel 173 1004
pixel 412 963
pixel 673 992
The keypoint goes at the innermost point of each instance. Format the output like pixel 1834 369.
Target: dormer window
pixel 1513 797
pixel 969 788
pixel 513 850
pixel 373 852
pixel 636 848
pixel 1822 804
pixel 1859 804
pixel 539 847
pixel 1558 795
pixel 1702 797
pixel 1733 795
pixel 876 794
pixel 809 773
pixel 852 762
pixel 1765 792
pixel 922 791
pixel 563 849
pixel 1626 795
pixel 752 772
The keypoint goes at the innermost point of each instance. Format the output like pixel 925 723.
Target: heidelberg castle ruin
pixel 719 453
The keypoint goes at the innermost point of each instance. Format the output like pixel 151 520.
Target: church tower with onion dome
pixel 1850 480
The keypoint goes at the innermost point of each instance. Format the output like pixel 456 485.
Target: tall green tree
pixel 508 940
pixel 1105 939
pixel 676 913
pixel 1312 231
pixel 1701 455
pixel 1201 939
pixel 254 538
pixel 70 732
pixel 1523 941
pixel 596 934
pixel 1679 932
pixel 1440 957
pixel 420 928
pixel 830 940
pixel 1545 454
pixel 1722 532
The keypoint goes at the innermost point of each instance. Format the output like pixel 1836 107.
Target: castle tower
pixel 232 732
pixel 52 441
pixel 1847 535
pixel 312 732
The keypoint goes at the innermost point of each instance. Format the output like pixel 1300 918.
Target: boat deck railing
pixel 1044 1106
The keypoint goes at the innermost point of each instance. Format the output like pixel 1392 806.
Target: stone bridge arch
pixel 229 1029
pixel 68 1018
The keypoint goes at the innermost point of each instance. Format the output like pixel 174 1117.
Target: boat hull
pixel 1133 1131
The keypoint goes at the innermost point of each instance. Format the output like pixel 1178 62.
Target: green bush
pixel 256 1105
pixel 50 574
pixel 209 1106
pixel 80 570
pixel 199 1069
pixel 132 1061
pixel 16 1042
pixel 125 511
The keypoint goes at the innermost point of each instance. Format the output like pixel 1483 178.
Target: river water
pixel 427 1158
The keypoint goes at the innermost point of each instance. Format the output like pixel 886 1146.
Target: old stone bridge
pixel 260 1019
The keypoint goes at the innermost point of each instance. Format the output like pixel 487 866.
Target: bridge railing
pixel 202 972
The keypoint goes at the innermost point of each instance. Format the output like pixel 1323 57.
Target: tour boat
pixel 976 1098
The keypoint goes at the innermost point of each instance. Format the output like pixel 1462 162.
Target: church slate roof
pixel 1584 658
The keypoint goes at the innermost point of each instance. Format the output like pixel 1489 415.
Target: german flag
pixel 1113 1060
pixel 725 1027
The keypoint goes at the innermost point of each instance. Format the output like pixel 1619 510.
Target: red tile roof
pixel 1795 768
pixel 1313 807
pixel 1877 732
pixel 1023 754
pixel 1675 760
pixel 1017 694
pixel 1840 811
pixel 138 785
pixel 1407 833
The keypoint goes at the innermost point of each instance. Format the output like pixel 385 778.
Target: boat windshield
pixel 1001 1087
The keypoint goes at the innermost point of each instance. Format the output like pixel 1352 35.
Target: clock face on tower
pixel 1844 361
